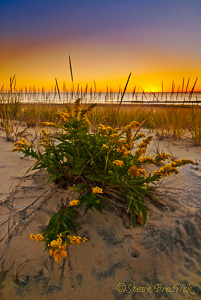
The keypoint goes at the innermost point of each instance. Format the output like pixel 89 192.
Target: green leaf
pixel 86 170
pixel 70 224
pixel 54 176
pixel 81 187
pixel 78 162
pixel 133 217
pixel 98 207
pixel 95 177
pixel 144 214
pixel 76 171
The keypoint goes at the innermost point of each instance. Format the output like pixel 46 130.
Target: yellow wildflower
pixel 108 128
pixel 75 240
pixel 139 135
pixel 178 163
pixel 21 143
pixel 105 146
pixel 139 152
pixel 86 120
pixel 17 149
pixel 128 127
pixel 37 237
pixel 146 160
pixel 43 131
pixel 97 190
pixel 74 202
pixel 63 116
pixel 57 254
pixel 101 127
pixel 114 135
pixel 145 142
pixel 50 124
pixel 166 170
pixel 134 171
pixel 122 148
pixel 135 123
pixel 125 152
pixel 32 237
pixel 132 124
pixel 56 248
pixel 161 156
pixel 43 142
pixel 85 240
pixel 77 105
pixel 31 145
pixel 129 145
pixel 118 162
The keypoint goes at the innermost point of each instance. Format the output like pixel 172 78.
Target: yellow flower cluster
pixel 75 240
pixel 50 124
pixel 143 146
pixel 108 131
pixel 86 120
pixel 118 162
pixel 68 112
pixel 114 135
pixel 31 145
pixel 132 124
pixel 166 170
pixel 37 237
pixel 16 149
pixel 122 148
pixel 63 116
pixel 128 140
pixel 104 128
pixel 146 160
pixel 56 249
pixel 139 152
pixel 86 111
pixel 179 163
pixel 43 142
pixel 78 113
pixel 44 132
pixel 161 156
pixel 74 202
pixel 77 106
pixel 97 190
pixel 105 146
pixel 134 171
pixel 20 145
pixel 139 136
pixel 145 142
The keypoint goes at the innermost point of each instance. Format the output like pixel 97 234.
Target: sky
pixel 155 40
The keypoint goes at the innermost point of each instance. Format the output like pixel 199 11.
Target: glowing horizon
pixel 155 84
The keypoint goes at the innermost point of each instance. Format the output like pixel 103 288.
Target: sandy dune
pixel 161 260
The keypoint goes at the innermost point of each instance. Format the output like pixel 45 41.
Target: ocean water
pixel 103 98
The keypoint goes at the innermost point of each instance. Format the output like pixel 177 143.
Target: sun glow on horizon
pixel 137 84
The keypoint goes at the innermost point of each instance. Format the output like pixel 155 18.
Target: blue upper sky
pixel 167 29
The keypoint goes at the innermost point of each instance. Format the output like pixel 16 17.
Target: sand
pixel 161 260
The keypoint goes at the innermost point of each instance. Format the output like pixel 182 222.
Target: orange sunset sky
pixel 155 40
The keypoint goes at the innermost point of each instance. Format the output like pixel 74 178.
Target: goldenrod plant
pixel 99 165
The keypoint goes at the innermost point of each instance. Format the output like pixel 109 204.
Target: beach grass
pixel 165 120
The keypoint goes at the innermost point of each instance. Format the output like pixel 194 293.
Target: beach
pixel 160 260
